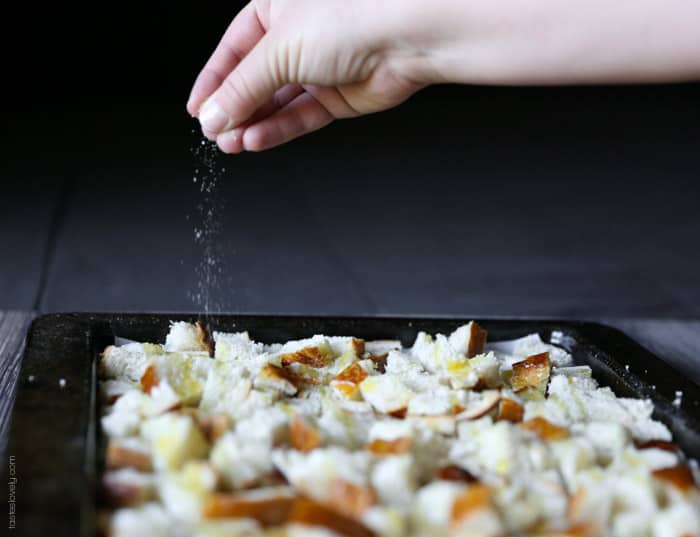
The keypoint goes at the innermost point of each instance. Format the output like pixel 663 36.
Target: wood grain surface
pixel 13 328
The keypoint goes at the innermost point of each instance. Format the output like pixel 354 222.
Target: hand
pixel 288 67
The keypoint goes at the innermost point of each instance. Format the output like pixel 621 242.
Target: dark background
pixel 577 202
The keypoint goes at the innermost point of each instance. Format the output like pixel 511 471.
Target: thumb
pixel 251 84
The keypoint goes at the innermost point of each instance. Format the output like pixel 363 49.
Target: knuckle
pixel 236 90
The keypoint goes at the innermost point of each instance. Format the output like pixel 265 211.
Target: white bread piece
pixel 634 523
pixel 432 507
pixel 651 458
pixel 318 341
pixel 634 491
pixel 584 403
pixel 163 398
pixel 608 439
pixel 386 393
pixel 344 427
pixel 126 415
pixel 173 439
pixel 244 456
pixel 482 369
pixel 391 429
pixel 437 402
pixel 111 390
pixel 489 448
pixel 385 521
pixel 678 519
pixel 395 479
pixel 573 455
pixel 313 473
pixel 183 492
pixel 551 494
pixel 382 346
pixel 187 337
pixel 273 378
pixel 347 345
pixel 236 346
pixel 148 520
pixel 186 375
pixel 479 404
pixel 126 363
pixel 257 400
pixel 468 339
pixel 518 349
pixel 240 463
pixel 225 389
pixel 411 372
pixel 128 487
pixel 425 350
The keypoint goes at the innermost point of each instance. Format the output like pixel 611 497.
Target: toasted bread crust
pixel 358 346
pixel 509 410
pixel 474 498
pixel 397 446
pixel 268 511
pixel 149 379
pixel 310 356
pixel 349 499
pixel 117 493
pixel 545 429
pixel 119 456
pixel 533 372
pixel 453 472
pixel 477 340
pixel 310 513
pixel 303 436
pixel 679 476
pixel 204 338
pixel 657 444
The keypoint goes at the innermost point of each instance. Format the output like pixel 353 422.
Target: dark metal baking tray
pixel 54 436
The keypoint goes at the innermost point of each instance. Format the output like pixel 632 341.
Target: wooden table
pixel 677 341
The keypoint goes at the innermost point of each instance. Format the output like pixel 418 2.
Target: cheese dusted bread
pixel 220 435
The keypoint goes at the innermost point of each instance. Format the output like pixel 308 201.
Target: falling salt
pixel 210 290
pixel 62 383
pixel 627 367
pixel 679 399
pixel 31 378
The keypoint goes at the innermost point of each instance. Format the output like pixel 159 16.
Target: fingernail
pixel 213 118
pixel 211 136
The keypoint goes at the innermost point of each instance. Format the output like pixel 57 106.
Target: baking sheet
pixel 56 442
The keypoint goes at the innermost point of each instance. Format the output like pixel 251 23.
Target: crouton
pixel 545 429
pixel 310 513
pixel 349 499
pixel 679 476
pixel 400 445
pixel 510 410
pixel 120 456
pixel 127 487
pixel 533 372
pixel 266 510
pixel 303 436
pixel 453 472
pixel 347 382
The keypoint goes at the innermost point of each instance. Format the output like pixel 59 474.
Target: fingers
pixel 241 36
pixel 301 116
pixel 252 83
pixel 232 141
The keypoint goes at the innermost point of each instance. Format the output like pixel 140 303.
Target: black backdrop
pixel 471 200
